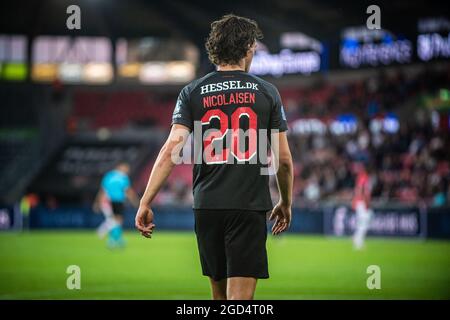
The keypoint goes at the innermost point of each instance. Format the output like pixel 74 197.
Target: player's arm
pixel 282 211
pixel 168 156
pixel 132 197
pixel 97 200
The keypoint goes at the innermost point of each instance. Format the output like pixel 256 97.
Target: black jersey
pixel 219 108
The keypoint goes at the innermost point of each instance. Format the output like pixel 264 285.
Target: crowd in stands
pixel 410 166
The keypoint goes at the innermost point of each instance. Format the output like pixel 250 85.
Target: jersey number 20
pixel 213 156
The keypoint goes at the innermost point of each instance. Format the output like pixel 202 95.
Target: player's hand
pixel 282 215
pixel 144 221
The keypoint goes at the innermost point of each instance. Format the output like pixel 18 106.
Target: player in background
pixel 114 191
pixel 231 193
pixel 103 204
pixel 361 205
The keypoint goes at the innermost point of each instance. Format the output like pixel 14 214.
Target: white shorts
pixel 363 214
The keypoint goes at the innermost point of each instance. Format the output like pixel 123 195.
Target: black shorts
pixel 118 208
pixel 232 243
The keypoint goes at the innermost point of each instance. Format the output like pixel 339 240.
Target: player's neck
pixel 231 67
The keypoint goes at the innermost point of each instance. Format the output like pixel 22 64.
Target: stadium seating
pixel 118 109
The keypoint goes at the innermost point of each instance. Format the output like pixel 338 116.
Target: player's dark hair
pixel 230 38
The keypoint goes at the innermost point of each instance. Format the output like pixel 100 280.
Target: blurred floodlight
pixel 98 73
pixel 181 71
pixel 129 70
pixel 153 72
pixel 70 72
pixel 44 72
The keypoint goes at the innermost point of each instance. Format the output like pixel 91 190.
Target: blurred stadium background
pixel 73 103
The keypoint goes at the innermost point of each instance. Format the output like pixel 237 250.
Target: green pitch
pixel 33 266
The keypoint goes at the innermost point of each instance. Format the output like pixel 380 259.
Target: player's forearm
pixel 161 170
pixel 132 197
pixel 285 180
pixel 98 196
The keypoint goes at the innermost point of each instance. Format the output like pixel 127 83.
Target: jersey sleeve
pixel 278 117
pixel 182 113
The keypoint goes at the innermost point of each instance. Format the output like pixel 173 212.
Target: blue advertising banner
pixel 334 221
